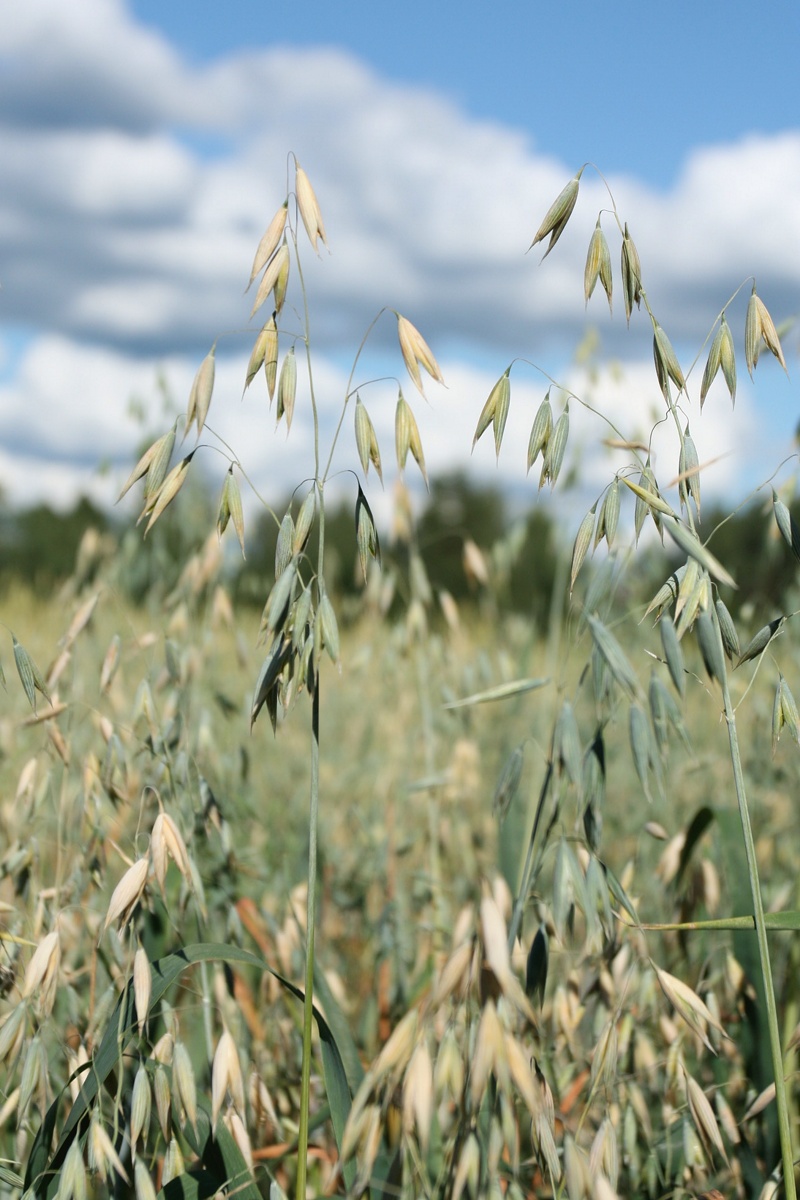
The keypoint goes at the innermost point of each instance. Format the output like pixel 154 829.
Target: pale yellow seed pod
pixel 418 1095
pixel 287 387
pixel 183 1083
pixel 226 1076
pixel 142 986
pixel 558 214
pixel 145 1188
pixel 416 352
pixel 598 265
pixel 201 391
pixel 163 1100
pixel 309 208
pixel 42 971
pixel 141 1107
pixel 269 242
pixel 127 893
pixel 277 269
pixel 366 440
pixel 167 492
pixel 173 1163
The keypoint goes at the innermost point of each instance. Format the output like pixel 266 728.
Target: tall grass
pixel 462 926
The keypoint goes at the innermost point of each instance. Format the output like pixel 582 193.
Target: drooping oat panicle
pixel 274 279
pixel 230 508
pixel 667 365
pixel 507 785
pixel 406 432
pixel 598 265
pixel 201 392
pixel 166 841
pixel 328 626
pixel 495 411
pixel 692 546
pixel 631 274
pixel 608 517
pixel 721 354
pixel 710 642
pixel 558 214
pixel 127 893
pixel 647 486
pixel 226 1077
pixel 418 1095
pixel 167 492
pixel 366 534
pixel 416 352
pixel 257 356
pixel 141 1106
pixel 269 242
pixel 689 471
pixel 41 973
pixel 759 327
pixel 144 1186
pixel 759 642
pixel 689 1006
pixel 541 431
pixel 503 387
pixel 613 655
pixel 153 463
pixel 142 986
pixel 184 1087
pixel 367 440
pixel 102 1155
pixel 786 524
pixel 555 451
pixel 703 1116
pixel 309 207
pixel 29 674
pixel 174 1165
pixel 284 546
pixel 287 387
pixel 673 655
pixel 583 541
pixel 727 629
pixel 305 521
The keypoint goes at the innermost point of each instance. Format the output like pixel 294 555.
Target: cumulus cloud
pixel 136 186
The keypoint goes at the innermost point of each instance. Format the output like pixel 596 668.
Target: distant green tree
pixel 38 545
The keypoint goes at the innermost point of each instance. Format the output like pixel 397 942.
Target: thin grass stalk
pixel 528 869
pixel 313 823
pixel 423 687
pixel 782 1104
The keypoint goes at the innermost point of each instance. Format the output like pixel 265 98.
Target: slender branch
pixel 784 1127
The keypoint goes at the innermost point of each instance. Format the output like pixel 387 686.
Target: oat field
pixel 402 898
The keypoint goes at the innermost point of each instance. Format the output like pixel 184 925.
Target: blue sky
pixel 632 86
pixel 145 149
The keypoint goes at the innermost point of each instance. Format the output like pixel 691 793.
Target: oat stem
pixel 305 1081
pixel 784 1129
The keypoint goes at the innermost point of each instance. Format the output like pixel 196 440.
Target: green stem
pixel 305 1082
pixel 784 1128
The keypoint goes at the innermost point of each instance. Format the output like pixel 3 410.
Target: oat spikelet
pixel 416 352
pixel 142 986
pixel 269 242
pixel 166 841
pixel 309 208
pixel 42 971
pixel 226 1076
pixel 558 214
pixel 127 893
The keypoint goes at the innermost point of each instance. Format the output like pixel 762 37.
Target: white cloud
pixel 123 245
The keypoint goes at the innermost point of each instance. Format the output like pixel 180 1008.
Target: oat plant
pixel 691 601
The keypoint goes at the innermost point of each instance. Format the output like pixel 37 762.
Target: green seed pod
pixel 541 431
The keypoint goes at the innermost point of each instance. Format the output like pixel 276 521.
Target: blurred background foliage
pixel 522 550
